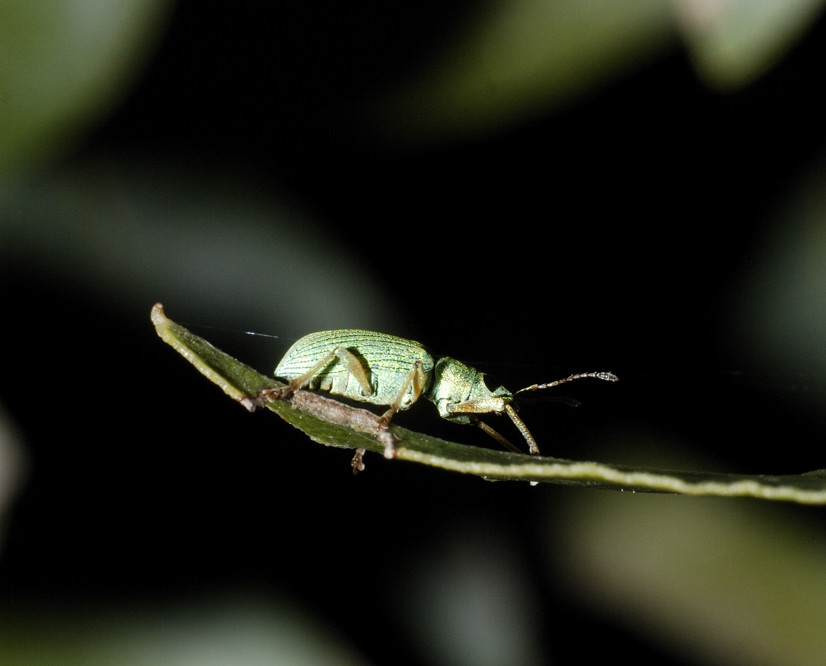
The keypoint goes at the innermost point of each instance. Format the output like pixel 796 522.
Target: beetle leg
pixel 303 380
pixel 358 463
pixel 354 365
pixel 533 447
pixel 485 406
pixel 415 378
pixel 484 427
pixel 491 405
pixel 347 357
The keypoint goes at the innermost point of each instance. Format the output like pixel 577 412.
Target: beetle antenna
pixel 605 376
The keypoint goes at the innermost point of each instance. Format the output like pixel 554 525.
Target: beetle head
pixel 459 391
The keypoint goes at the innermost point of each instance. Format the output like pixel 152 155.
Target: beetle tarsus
pixel 271 394
pixel 357 463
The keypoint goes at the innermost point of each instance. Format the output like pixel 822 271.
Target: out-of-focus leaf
pixel 522 57
pixel 713 582
pixel 732 42
pixel 61 64
pixel 228 627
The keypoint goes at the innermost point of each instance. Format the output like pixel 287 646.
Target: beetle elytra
pixel 386 370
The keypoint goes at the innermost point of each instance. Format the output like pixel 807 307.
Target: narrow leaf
pixel 334 423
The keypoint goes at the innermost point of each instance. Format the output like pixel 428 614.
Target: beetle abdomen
pixel 385 359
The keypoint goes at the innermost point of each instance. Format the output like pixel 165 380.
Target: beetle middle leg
pixel 357 463
pixel 417 379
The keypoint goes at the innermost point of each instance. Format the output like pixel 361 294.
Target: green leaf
pixel 733 42
pixel 513 60
pixel 63 65
pixel 333 423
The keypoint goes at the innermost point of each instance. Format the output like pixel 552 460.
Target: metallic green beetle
pixel 383 369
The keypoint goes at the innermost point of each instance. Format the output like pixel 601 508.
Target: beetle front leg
pixel 533 447
pixel 495 405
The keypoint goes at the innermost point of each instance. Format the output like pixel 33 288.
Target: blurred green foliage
pixel 62 66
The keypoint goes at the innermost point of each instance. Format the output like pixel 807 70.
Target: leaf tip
pixel 157 315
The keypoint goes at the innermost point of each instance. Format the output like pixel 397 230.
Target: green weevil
pixel 386 370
